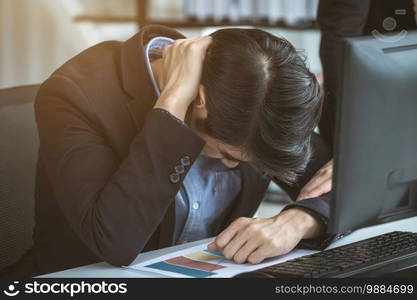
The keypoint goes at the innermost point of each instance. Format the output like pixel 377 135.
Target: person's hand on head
pixel 320 184
pixel 182 65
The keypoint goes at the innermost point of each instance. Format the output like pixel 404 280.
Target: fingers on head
pixel 166 50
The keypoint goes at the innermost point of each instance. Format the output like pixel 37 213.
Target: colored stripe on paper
pixel 217 253
pixel 180 270
pixel 194 264
pixel 202 256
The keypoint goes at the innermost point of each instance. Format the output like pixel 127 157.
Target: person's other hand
pixel 255 239
pixel 182 65
pixel 320 184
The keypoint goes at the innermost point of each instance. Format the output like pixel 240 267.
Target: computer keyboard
pixel 371 257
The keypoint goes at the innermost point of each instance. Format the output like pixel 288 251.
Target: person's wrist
pixel 173 104
pixel 306 224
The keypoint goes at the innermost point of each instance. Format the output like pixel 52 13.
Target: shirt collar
pixel 155 47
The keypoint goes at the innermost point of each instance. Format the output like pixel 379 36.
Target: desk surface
pixel 106 270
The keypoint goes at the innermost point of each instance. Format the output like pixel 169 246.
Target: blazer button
pixel 185 161
pixel 179 169
pixel 174 177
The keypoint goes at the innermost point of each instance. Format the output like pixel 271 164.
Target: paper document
pixel 199 262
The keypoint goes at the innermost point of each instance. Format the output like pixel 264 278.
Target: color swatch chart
pixel 203 263
pixel 199 262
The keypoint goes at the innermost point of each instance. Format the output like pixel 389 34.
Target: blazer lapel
pixel 136 80
pixel 137 84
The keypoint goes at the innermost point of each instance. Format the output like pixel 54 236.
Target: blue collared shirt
pixel 209 189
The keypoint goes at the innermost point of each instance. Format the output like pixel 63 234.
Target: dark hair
pixel 261 97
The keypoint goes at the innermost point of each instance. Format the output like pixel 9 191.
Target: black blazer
pixel 103 186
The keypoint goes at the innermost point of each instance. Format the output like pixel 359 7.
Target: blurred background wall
pixel 37 36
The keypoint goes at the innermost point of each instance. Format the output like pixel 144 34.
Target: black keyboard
pixel 367 258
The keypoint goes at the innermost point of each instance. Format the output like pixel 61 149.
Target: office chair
pixel 18 156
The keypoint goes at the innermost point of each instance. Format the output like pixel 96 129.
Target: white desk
pixel 104 270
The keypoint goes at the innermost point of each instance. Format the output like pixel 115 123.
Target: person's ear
pixel 199 106
pixel 200 102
